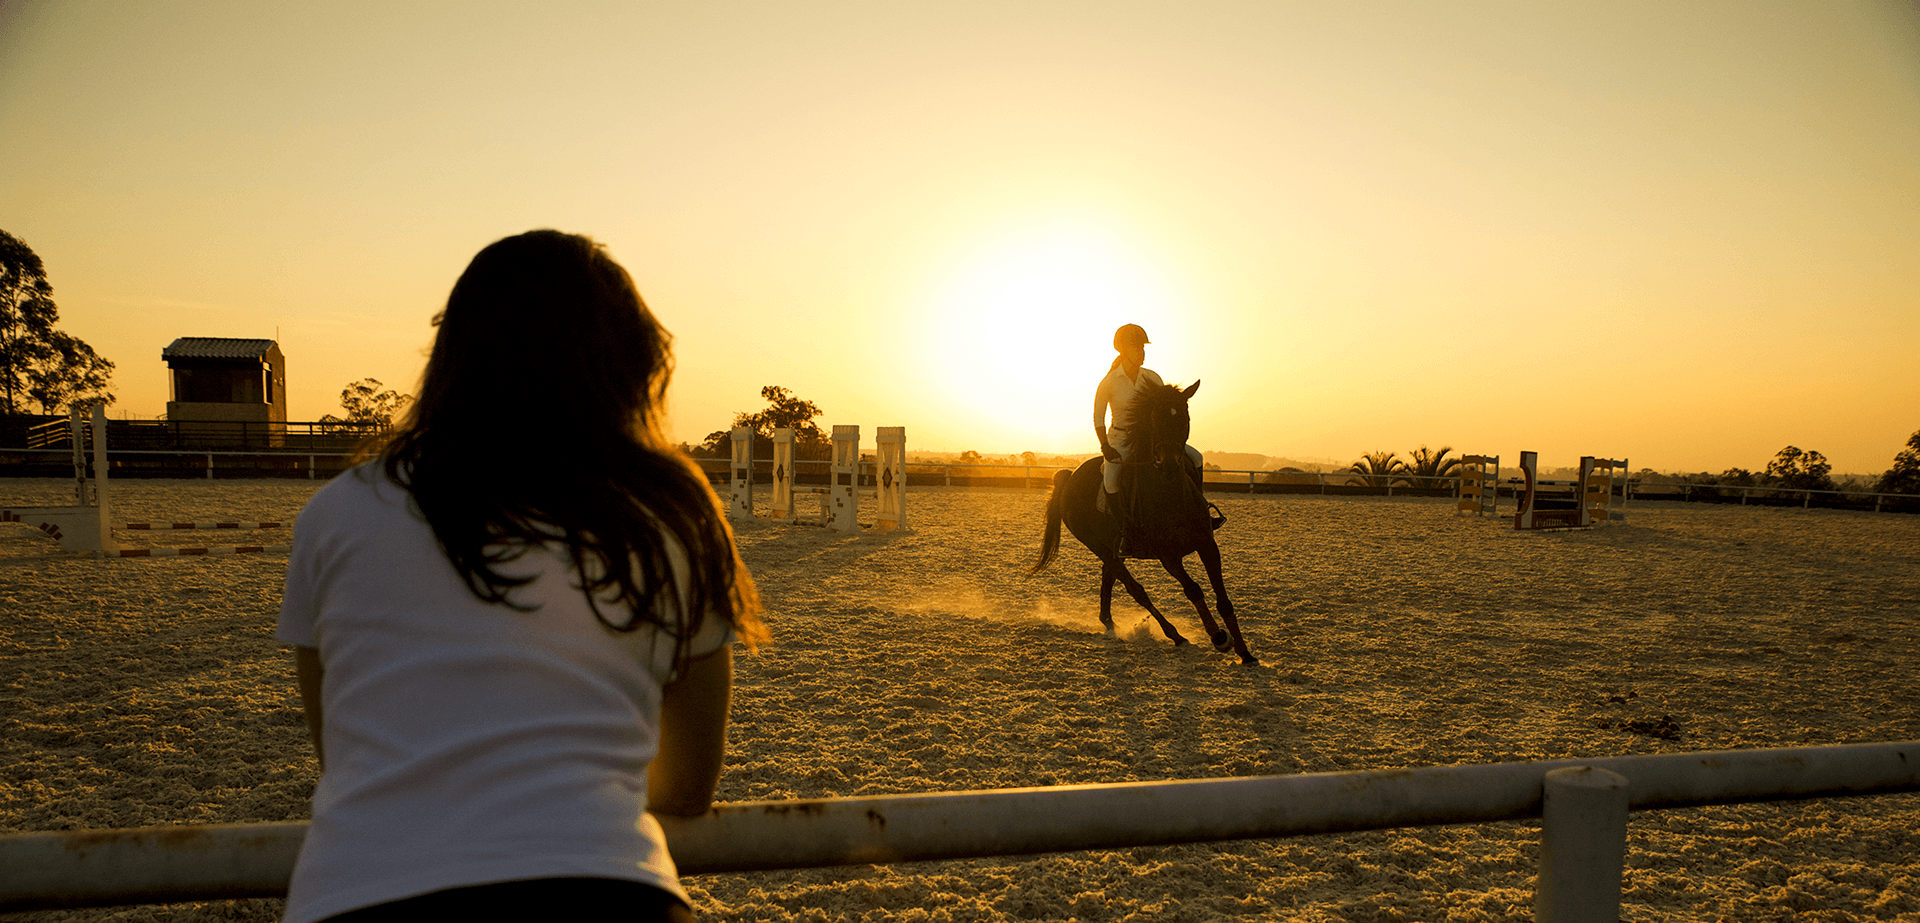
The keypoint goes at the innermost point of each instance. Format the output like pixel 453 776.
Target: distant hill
pixel 1237 461
pixel 1251 461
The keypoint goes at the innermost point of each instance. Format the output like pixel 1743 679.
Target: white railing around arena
pixel 326 464
pixel 1041 477
pixel 205 462
pixel 182 863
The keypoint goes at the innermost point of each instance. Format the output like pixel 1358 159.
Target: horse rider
pixel 1125 378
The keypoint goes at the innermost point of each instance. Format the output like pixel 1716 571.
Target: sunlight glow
pixel 1023 331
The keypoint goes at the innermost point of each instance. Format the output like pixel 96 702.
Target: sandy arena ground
pixel 1391 632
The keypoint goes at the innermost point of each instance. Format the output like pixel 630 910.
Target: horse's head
pixel 1160 421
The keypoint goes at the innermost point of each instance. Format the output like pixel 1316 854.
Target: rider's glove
pixel 1108 452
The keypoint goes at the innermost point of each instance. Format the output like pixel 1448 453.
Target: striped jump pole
pixel 198 551
pixel 214 550
pixel 84 527
pixel 170 526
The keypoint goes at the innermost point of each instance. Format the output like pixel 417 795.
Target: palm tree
pixel 1377 469
pixel 1428 467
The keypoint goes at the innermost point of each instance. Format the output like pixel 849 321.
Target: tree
pixel 366 402
pixel 73 374
pixel 1428 467
pixel 1904 476
pixel 1377 469
pixel 37 361
pixel 1797 469
pixel 784 410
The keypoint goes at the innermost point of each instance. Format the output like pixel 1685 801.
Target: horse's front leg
pixel 1114 568
pixel 1108 574
pixel 1221 642
pixel 1210 556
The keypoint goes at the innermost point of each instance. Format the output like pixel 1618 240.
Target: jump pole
pixel 176 526
pixel 840 506
pixel 1592 497
pixel 86 525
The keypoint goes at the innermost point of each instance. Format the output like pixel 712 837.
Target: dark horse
pixel 1170 518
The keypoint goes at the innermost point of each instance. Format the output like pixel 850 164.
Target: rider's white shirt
pixel 1116 393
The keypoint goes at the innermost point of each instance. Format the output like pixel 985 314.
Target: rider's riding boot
pixel 1122 519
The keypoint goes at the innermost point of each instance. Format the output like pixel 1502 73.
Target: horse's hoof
pixel 1222 641
pixel 1249 661
pixel 1180 643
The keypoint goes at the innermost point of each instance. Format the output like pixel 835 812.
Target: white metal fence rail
pixel 1041 476
pixel 159 864
pixel 1254 480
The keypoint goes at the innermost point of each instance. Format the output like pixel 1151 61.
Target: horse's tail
pixel 1056 508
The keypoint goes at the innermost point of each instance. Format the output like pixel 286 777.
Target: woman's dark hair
pixel 538 421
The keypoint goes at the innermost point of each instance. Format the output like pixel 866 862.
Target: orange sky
pixel 1680 233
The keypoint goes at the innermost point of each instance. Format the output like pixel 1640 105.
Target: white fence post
pixel 1583 843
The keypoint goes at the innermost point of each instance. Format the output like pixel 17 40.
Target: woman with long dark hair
pixel 512 625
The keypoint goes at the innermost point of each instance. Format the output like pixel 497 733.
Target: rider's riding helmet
pixel 1130 335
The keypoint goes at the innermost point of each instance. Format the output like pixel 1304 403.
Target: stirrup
pixel 1215 517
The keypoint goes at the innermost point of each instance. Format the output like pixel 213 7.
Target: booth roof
pixel 216 348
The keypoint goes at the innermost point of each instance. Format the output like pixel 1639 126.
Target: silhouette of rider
pixel 1125 378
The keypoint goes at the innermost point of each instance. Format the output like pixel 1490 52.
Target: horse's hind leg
pixel 1222 642
pixel 1111 569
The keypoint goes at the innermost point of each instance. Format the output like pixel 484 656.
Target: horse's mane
pixel 1153 409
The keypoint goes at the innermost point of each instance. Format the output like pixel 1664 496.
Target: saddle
pixel 1167 515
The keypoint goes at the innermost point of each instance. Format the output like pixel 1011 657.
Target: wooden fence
pixel 1584 804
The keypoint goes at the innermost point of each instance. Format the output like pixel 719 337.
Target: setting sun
pixel 1364 228
pixel 1020 332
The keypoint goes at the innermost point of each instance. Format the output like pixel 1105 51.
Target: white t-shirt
pixel 466 743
